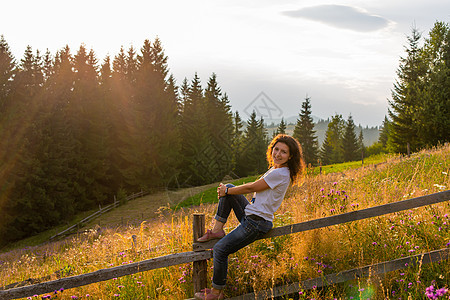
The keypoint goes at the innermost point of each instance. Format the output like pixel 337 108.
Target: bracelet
pixel 226 191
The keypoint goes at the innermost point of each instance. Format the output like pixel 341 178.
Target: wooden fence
pixel 202 252
pixel 99 212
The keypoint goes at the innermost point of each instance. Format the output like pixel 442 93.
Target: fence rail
pixel 99 212
pixel 366 271
pixel 201 253
pixel 346 217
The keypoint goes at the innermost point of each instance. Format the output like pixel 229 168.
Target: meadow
pixel 275 261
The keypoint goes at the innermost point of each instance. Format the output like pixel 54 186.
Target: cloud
pixel 341 16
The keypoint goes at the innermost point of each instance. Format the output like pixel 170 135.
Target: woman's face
pixel 280 154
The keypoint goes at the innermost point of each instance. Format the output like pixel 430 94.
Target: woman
pixel 285 159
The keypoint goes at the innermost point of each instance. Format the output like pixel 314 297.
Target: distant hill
pixel 370 134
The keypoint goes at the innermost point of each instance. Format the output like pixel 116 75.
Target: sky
pixel 268 55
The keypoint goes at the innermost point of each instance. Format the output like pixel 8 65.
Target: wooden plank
pixel 380 268
pixel 346 217
pixel 105 274
pixel 199 268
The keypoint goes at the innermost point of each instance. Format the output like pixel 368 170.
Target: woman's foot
pixel 209 294
pixel 209 235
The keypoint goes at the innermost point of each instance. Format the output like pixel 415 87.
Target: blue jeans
pixel 247 232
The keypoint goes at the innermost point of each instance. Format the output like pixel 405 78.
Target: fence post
pixel 199 270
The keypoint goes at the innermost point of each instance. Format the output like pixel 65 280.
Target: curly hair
pixel 296 163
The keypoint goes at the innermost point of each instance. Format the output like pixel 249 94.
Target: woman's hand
pixel 221 189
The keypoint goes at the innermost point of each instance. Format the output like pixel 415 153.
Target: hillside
pixel 274 261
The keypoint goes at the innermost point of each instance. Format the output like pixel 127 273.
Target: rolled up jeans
pixel 248 231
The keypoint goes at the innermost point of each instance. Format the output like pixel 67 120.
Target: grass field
pixel 275 261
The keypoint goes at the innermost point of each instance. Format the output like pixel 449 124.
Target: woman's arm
pixel 251 187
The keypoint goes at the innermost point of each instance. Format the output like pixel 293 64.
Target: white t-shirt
pixel 268 201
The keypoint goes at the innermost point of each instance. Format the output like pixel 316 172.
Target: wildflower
pixel 116 295
pixel 374 243
pixel 74 297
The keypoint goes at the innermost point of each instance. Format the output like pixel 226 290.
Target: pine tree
pixel 167 133
pixel 406 97
pixel 218 151
pixel 326 150
pixel 349 141
pixel 237 139
pixel 384 132
pixel 304 132
pixel 195 135
pixel 361 149
pixel 253 153
pixel 281 127
pixel 7 72
pixel 331 150
pixel 433 126
pixel 90 132
pixel 8 145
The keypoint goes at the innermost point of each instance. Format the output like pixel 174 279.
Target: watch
pixel 226 191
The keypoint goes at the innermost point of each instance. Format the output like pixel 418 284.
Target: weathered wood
pixel 199 268
pixel 380 268
pixel 105 274
pixel 346 217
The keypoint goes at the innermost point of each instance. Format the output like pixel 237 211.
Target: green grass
pixel 337 168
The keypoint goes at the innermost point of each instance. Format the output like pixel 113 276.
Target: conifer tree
pixel 218 150
pixel 252 158
pixel 237 139
pixel 304 132
pixel 349 141
pixel 331 150
pixel 195 135
pixel 384 132
pixel 8 145
pixel 433 123
pixel 7 72
pixel 361 148
pixel 281 127
pixel 406 97
pixel 166 130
